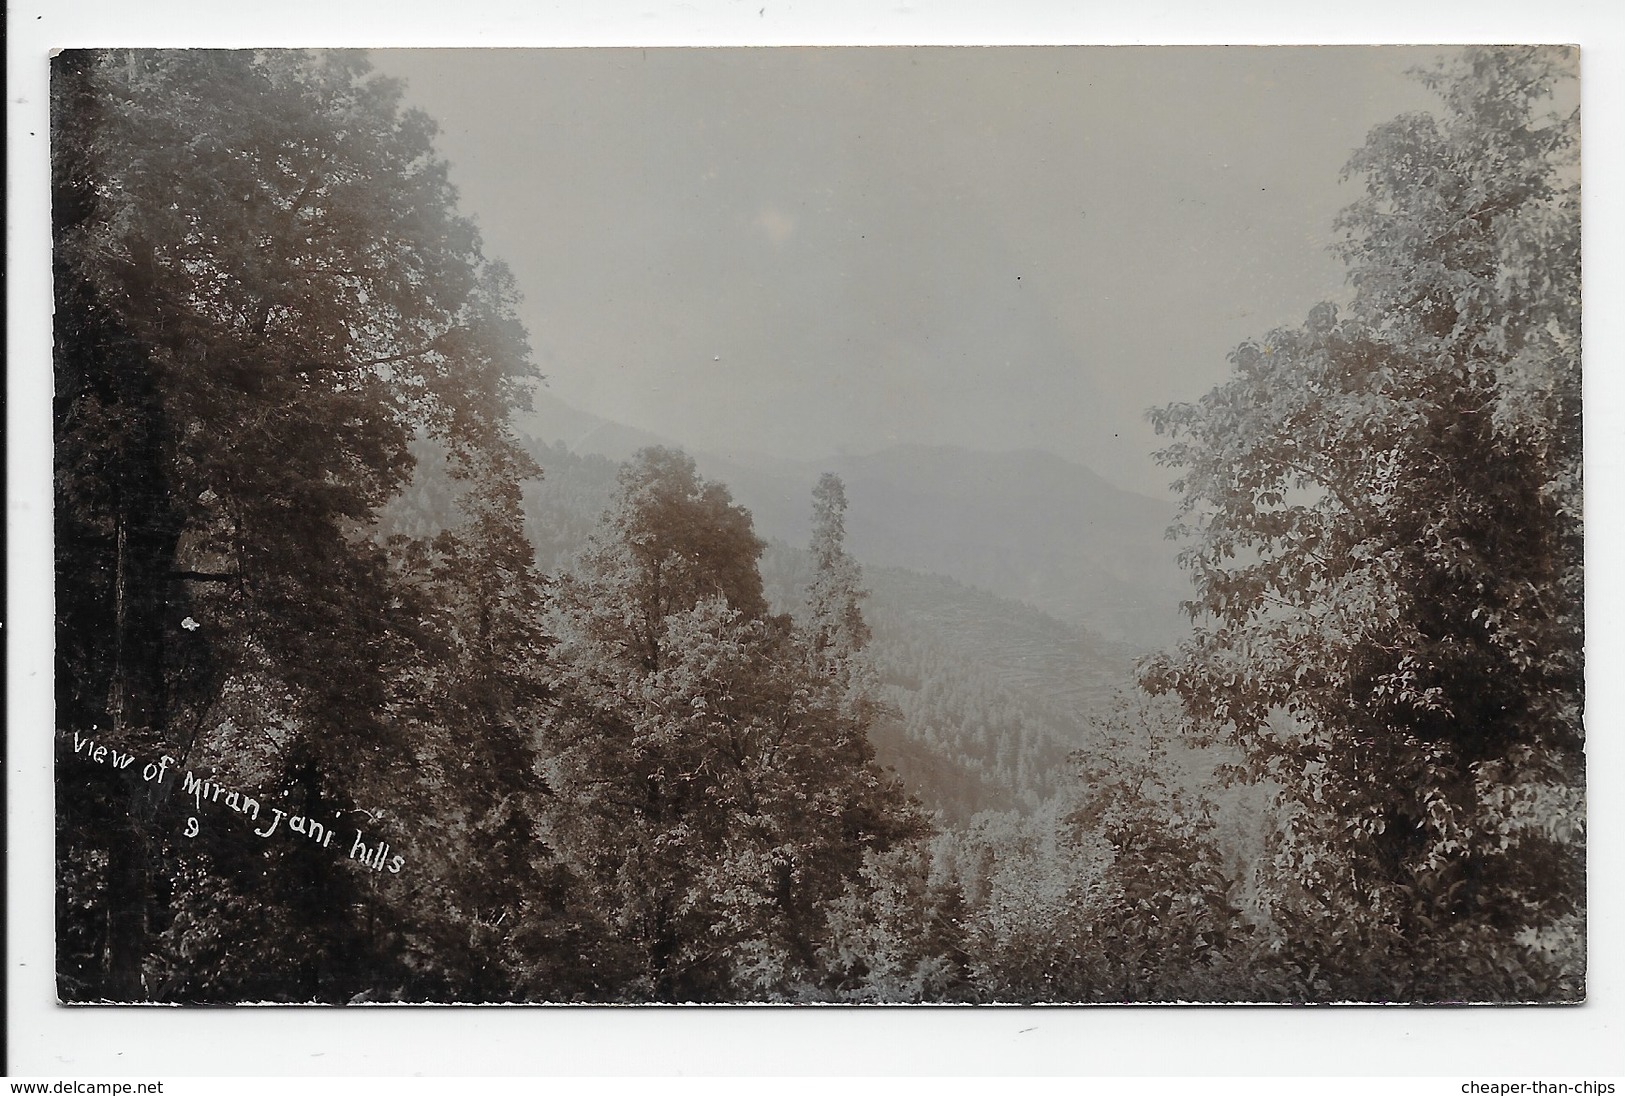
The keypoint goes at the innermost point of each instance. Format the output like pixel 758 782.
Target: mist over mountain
pixel 550 420
pixel 1027 525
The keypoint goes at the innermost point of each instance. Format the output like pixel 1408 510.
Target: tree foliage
pixel 723 792
pixel 263 294
pixel 834 612
pixel 1383 509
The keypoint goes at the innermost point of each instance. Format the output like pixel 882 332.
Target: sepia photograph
pixel 884 525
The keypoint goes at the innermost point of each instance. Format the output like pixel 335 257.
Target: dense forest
pixel 363 694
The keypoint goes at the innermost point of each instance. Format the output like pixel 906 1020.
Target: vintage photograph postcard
pixel 884 525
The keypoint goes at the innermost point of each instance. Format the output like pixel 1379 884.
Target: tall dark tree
pixel 263 292
pixel 717 798
pixel 1384 514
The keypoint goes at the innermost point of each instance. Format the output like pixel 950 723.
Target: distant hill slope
pixel 989 696
pixel 550 420
pixel 1026 525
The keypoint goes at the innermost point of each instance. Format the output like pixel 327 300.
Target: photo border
pixel 1204 1041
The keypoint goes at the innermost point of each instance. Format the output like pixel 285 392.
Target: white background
pixel 46 1039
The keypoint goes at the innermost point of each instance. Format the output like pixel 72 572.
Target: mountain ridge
pixel 1026 524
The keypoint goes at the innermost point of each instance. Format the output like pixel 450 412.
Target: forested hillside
pixel 987 696
pixel 365 695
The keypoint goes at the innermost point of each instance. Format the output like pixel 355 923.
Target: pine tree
pixel 835 616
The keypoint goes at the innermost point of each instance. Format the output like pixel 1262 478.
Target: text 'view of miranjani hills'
pixel 818 525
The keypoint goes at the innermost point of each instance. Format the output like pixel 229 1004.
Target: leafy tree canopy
pixel 1383 510
pixel 264 294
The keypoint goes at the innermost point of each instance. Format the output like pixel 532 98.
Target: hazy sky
pixel 801 251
